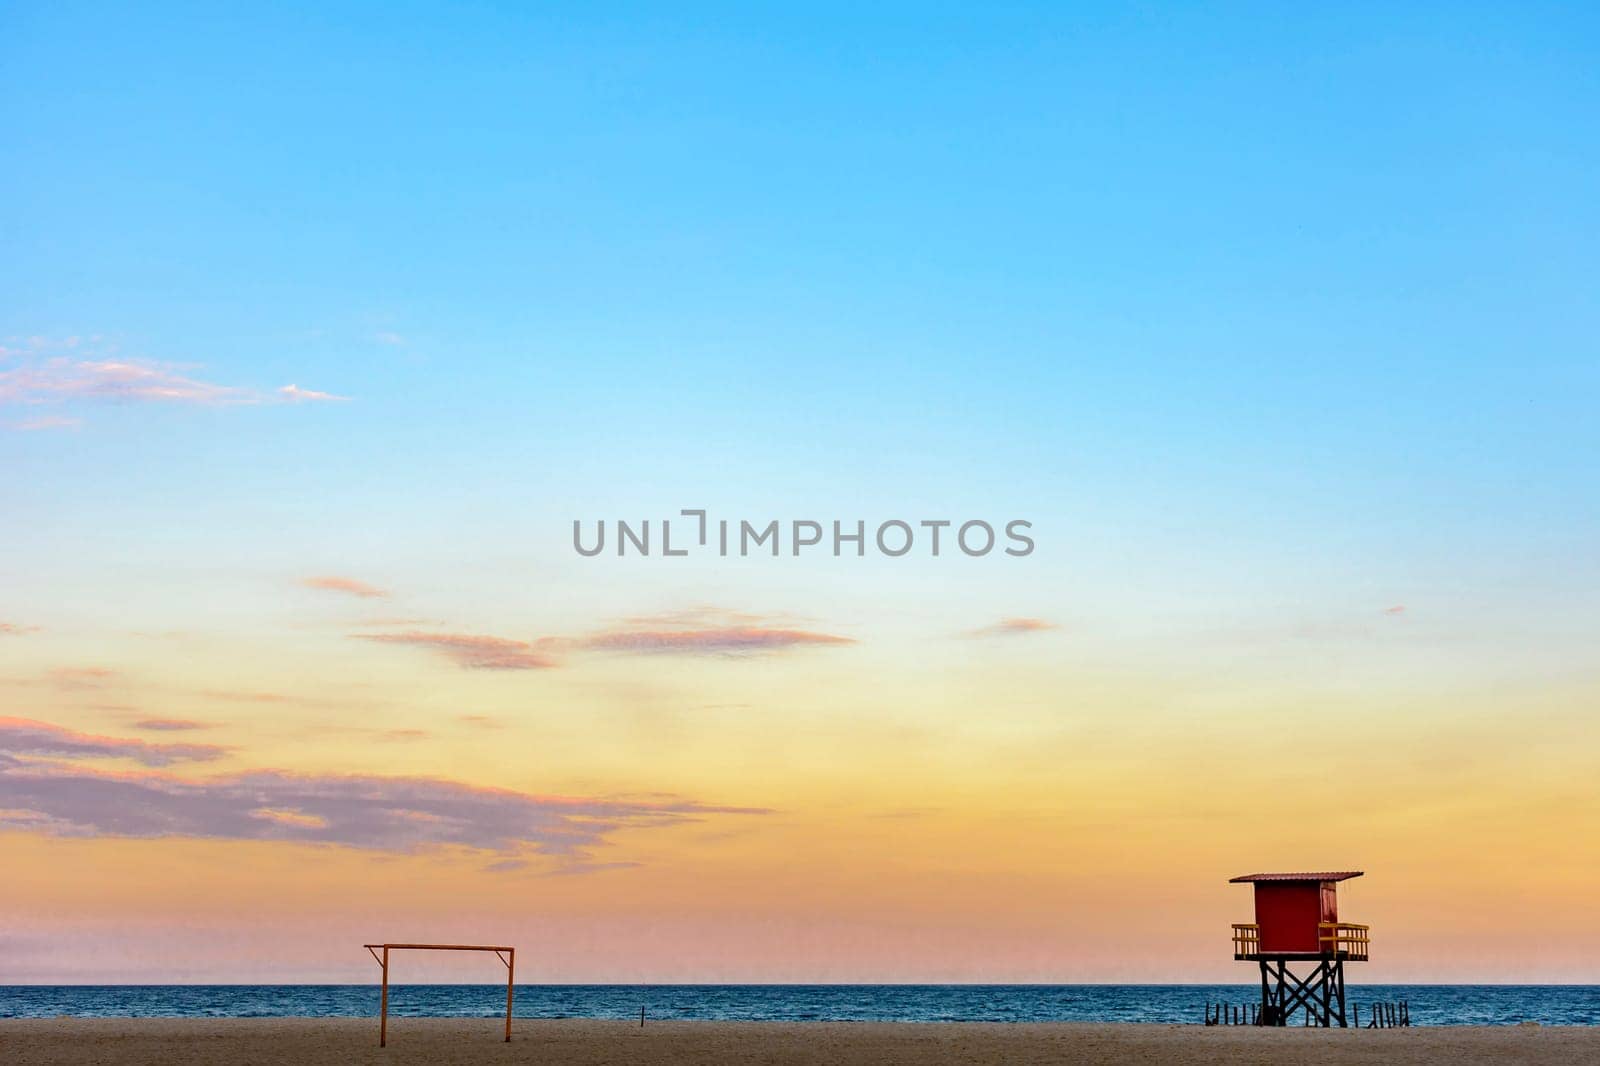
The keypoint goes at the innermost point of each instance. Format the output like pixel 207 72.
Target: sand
pixel 330 1041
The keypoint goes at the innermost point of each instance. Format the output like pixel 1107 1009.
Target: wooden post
pixel 383 1004
pixel 511 978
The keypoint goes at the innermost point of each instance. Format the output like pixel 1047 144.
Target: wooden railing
pixel 1344 938
pixel 1333 938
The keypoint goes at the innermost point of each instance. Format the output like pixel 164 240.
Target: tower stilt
pixel 1319 994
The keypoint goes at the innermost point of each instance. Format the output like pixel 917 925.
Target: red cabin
pixel 1296 914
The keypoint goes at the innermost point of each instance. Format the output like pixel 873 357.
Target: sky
pixel 319 329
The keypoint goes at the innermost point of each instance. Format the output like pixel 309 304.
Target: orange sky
pixel 965 806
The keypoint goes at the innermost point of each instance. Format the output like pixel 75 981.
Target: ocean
pixel 1430 1004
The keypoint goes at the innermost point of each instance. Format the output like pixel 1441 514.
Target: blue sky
pixel 1198 283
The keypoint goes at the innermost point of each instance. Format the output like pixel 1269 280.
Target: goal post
pixel 507 955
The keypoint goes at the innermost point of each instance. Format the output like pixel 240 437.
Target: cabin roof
pixel 1327 875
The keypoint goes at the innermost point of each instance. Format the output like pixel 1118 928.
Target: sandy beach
pixel 314 1041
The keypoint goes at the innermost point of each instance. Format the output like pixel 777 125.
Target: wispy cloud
pixel 170 725
pixel 11 629
pixel 81 677
pixel 347 585
pixel 67 379
pixel 94 371
pixel 573 869
pixel 378 813
pixel 243 696
pixel 641 635
pixel 473 651
pixel 716 640
pixel 706 630
pixel 295 394
pixel 23 736
pixel 703 616
pixel 1395 611
pixel 1013 627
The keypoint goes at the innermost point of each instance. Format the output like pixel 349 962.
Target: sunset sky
pixel 319 330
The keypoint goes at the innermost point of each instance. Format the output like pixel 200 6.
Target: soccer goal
pixel 505 955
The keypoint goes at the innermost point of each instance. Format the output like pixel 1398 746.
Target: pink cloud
pixel 469 650
pixel 240 696
pixel 720 639
pixel 501 653
pixel 9 629
pixel 127 380
pixel 707 630
pixel 170 725
pixel 23 736
pixel 1011 627
pixel 81 677
pixel 1397 609
pixel 349 585
pixel 702 617
pixel 69 371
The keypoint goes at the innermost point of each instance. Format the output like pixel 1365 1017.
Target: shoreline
pixel 318 1041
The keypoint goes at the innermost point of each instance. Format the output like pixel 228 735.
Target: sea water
pixel 1430 1004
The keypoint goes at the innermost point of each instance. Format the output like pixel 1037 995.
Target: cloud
pixel 505 866
pixel 23 736
pixel 1395 611
pixel 470 650
pixel 60 379
pixel 386 337
pixel 706 630
pixel 635 636
pixel 170 725
pixel 1012 627
pixel 481 721
pixel 81 677
pixel 572 869
pixel 349 585
pixel 371 812
pixel 11 629
pixel 240 696
pixel 716 640
pixel 295 394
pixel 94 372
pixel 702 617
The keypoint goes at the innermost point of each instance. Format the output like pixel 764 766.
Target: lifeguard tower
pixel 1297 921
